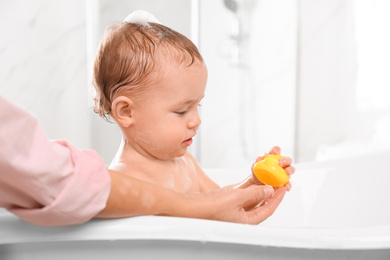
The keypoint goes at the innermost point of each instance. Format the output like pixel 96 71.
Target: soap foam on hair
pixel 141 17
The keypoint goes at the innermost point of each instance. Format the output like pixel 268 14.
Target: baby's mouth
pixel 188 142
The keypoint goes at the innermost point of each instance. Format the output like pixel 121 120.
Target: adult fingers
pixel 258 215
pixel 256 194
pixel 288 186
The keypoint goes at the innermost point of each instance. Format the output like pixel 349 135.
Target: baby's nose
pixel 195 121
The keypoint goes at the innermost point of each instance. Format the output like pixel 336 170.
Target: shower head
pixel 231 5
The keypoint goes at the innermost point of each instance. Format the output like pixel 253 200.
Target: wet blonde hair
pixel 128 56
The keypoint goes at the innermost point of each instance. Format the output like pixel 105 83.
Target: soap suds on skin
pixel 148 200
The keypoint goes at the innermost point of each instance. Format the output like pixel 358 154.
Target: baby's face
pixel 168 118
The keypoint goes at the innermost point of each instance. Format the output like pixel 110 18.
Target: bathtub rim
pixel 15 231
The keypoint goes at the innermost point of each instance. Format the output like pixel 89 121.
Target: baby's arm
pixel 205 182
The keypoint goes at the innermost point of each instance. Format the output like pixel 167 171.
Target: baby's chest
pixel 185 179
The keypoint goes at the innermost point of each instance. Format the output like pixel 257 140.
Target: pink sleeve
pixel 47 182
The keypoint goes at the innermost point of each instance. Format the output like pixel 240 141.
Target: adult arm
pixel 47 182
pixel 132 197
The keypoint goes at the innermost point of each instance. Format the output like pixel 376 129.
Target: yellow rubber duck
pixel 268 171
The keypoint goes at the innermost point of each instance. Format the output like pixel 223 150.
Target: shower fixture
pixel 231 5
pixel 235 34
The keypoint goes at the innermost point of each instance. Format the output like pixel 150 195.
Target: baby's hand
pixel 284 162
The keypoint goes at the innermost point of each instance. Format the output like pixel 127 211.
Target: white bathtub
pixel 336 210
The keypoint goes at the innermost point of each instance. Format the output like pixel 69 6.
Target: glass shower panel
pixel 250 50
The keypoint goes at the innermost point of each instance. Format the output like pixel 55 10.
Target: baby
pixel 151 79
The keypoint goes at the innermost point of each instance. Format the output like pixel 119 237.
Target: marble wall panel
pixel 43 65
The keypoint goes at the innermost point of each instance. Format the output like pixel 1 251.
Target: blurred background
pixel 311 76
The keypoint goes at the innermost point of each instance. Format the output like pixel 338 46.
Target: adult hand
pixel 239 205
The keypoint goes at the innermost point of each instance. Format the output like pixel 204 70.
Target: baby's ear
pixel 122 109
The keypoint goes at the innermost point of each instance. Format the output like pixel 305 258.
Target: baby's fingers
pixel 275 150
pixel 259 159
pixel 290 170
pixel 285 162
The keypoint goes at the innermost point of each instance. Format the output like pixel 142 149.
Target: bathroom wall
pixel 327 74
pixel 308 75
pixel 343 88
pixel 43 64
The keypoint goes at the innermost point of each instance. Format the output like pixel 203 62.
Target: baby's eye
pixel 181 112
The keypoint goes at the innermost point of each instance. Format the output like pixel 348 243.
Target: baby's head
pixel 131 58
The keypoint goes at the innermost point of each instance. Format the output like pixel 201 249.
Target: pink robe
pixel 47 182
